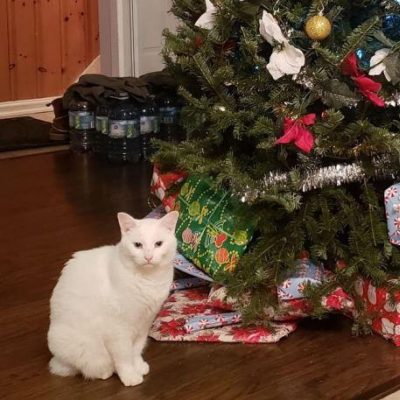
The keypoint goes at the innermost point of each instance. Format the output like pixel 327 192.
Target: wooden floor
pixel 54 204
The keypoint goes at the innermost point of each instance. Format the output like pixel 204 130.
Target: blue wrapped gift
pixel 392 206
pixel 305 273
pixel 200 322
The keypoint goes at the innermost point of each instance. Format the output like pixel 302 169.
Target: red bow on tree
pixel 295 131
pixel 367 86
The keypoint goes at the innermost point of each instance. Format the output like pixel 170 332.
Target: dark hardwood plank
pixel 52 205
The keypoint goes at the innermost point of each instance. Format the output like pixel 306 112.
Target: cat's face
pixel 149 242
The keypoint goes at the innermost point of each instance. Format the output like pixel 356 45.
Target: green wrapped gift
pixel 210 232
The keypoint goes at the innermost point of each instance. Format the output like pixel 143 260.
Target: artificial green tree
pixel 293 106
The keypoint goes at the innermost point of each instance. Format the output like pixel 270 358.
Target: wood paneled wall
pixel 45 45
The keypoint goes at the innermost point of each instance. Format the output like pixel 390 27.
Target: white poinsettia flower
pixel 270 30
pixel 207 20
pixel 378 64
pixel 286 59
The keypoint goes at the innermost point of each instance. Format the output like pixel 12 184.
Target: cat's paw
pixel 142 366
pixel 130 377
pixel 106 375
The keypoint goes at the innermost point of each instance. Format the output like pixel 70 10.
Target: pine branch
pixel 358 36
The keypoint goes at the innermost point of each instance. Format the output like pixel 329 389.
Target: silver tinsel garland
pixel 334 175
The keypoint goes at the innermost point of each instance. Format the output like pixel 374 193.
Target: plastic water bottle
pixel 149 126
pixel 102 130
pixel 169 117
pixel 124 128
pixel 81 123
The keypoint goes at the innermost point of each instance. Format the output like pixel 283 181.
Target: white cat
pixel 106 299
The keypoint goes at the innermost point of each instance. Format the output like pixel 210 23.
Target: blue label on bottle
pixel 102 124
pixel 122 128
pixel 81 120
pixel 169 115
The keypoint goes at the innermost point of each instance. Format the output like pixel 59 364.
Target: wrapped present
pixel 392 207
pixel 188 283
pixel 162 183
pixel 305 273
pixel 209 230
pixel 183 305
pixel 382 313
pixel 184 265
pixel 200 322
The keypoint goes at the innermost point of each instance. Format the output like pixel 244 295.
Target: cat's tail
pixel 58 367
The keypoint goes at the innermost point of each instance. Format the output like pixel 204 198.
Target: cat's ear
pixel 169 221
pixel 126 222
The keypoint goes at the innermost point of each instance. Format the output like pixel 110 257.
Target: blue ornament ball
pixel 363 57
pixel 391 26
pixel 364 54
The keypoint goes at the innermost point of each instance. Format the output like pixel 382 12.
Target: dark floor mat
pixel 24 133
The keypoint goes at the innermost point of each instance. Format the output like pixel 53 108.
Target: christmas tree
pixel 293 106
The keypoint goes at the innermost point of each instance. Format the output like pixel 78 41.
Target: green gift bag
pixel 209 231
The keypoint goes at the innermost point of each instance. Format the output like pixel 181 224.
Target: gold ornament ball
pixel 318 27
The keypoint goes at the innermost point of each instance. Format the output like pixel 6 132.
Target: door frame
pixel 116 19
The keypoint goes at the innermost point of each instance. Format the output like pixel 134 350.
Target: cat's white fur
pixel 106 299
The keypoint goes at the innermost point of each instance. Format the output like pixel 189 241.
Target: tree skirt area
pixel 195 313
pixel 200 310
pixel 24 133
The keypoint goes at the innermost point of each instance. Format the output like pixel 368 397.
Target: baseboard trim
pixel 33 152
pixel 9 109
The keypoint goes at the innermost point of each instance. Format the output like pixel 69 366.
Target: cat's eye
pixel 138 245
pixel 158 244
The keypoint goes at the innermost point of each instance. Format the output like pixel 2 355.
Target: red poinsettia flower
pixel 367 86
pixel 302 305
pixel 219 304
pixel 165 312
pixel 196 294
pixel 250 334
pixel 208 338
pixel 194 309
pixel 173 328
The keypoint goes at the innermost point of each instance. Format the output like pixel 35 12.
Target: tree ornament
pixel 363 58
pixel 391 26
pixel 378 64
pixel 198 41
pixel 367 87
pixel 207 20
pixel 296 131
pixel 318 27
pixel 334 175
pixel 285 59
pixel 365 53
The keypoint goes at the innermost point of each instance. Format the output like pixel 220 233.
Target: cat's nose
pixel 148 259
